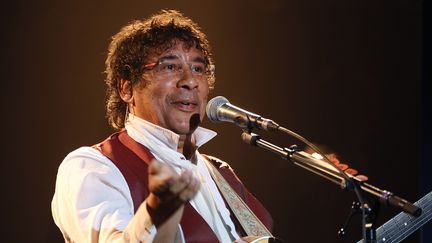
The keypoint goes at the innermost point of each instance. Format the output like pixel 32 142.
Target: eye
pixel 169 67
pixel 198 69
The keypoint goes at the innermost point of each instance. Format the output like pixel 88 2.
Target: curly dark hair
pixel 131 47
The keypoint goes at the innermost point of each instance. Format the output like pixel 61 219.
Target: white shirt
pixel 92 201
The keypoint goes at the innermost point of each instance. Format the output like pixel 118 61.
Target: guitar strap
pixel 247 219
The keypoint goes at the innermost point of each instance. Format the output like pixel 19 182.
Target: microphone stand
pixel 345 181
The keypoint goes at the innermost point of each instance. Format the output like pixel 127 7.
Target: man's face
pixel 173 89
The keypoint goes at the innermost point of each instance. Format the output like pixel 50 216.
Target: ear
pixel 125 90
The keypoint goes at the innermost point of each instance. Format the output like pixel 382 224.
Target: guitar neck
pixel 403 224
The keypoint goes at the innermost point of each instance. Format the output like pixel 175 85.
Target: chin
pixel 181 131
pixel 181 128
pixel 186 124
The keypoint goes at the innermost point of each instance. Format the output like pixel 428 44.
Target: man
pixel 148 182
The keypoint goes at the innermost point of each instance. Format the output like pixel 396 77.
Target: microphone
pixel 220 110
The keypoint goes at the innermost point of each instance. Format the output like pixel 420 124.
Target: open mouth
pixel 186 105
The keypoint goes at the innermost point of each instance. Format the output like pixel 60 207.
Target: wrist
pixel 159 212
pixel 153 202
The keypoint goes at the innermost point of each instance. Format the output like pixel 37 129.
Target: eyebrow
pixel 200 59
pixel 168 57
pixel 176 57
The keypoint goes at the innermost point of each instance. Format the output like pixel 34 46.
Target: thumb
pixel 155 167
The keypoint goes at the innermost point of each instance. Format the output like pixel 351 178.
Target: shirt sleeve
pixel 92 202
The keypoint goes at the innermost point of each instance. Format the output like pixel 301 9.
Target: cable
pixel 348 179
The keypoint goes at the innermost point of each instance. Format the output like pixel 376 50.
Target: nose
pixel 188 81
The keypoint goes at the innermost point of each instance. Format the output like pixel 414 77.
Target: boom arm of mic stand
pixel 299 158
pixel 326 171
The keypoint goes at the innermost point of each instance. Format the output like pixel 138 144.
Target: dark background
pixel 353 75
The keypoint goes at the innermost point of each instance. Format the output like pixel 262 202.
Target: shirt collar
pixel 165 136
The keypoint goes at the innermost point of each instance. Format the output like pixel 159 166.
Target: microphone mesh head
pixel 213 106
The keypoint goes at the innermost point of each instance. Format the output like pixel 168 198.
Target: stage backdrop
pixel 346 74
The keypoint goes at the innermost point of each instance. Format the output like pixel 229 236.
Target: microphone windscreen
pixel 213 106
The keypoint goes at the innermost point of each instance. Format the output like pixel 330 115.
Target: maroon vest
pixel 132 159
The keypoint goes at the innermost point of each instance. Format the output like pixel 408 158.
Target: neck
pixel 186 146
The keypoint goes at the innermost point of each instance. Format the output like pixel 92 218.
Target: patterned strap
pixel 248 220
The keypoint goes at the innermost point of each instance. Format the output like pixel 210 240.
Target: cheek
pixel 204 90
pixel 150 98
pixel 160 91
pixel 204 98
